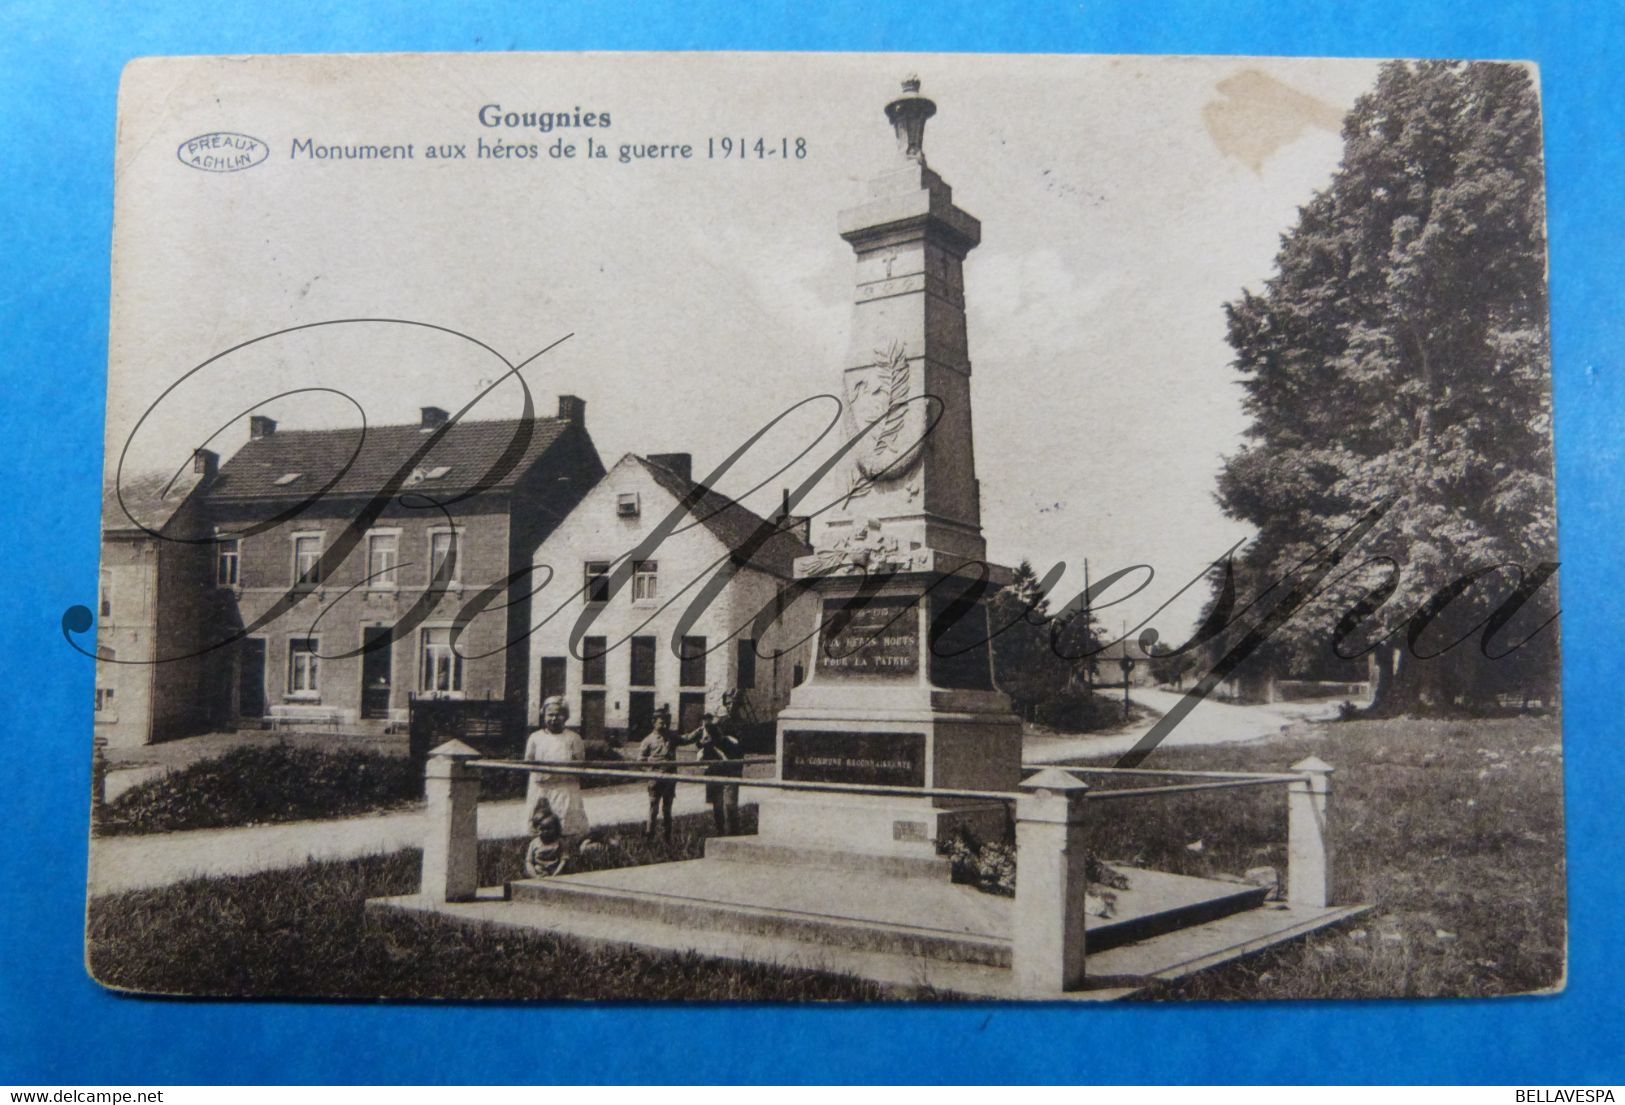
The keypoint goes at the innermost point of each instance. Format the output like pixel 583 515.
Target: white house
pixel 755 635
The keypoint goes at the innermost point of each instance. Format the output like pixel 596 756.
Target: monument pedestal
pixel 901 692
pixel 900 695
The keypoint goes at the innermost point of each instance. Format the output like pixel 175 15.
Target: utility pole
pixel 1088 638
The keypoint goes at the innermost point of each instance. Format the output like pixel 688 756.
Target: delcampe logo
pixel 222 151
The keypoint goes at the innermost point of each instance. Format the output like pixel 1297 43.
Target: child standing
pixel 660 746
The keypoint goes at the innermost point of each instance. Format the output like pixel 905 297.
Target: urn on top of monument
pixel 908 114
pixel 911 499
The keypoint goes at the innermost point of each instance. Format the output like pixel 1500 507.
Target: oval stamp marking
pixel 222 151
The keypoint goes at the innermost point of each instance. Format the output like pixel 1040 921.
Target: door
pixel 640 714
pixel 377 670
pixel 251 677
pixel 592 715
pixel 690 709
pixel 552 680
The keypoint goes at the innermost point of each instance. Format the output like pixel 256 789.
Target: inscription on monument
pixel 878 637
pixel 888 759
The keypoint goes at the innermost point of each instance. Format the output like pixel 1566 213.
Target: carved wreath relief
pixel 877 401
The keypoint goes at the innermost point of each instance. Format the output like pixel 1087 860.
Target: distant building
pixel 313 592
pixel 631 659
pixel 1106 667
pixel 154 603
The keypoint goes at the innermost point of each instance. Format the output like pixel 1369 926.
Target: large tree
pixel 1398 356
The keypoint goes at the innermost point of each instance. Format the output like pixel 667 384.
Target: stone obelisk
pixel 901 692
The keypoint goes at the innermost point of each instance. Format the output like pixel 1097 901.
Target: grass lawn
pixel 1452 829
pixel 303 933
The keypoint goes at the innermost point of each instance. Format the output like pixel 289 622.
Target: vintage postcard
pixel 827 527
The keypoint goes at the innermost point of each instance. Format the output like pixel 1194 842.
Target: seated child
pixel 546 855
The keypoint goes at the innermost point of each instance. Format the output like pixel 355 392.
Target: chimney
pixel 433 417
pixel 205 464
pixel 572 409
pixel 259 426
pixel 798 526
pixel 681 463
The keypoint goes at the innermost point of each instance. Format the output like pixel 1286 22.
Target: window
pixel 746 652
pixel 691 670
pixel 442 665
pixel 104 695
pixel 593 668
pixel 383 556
pixel 104 587
pixel 445 556
pixel 304 671
pixel 644 576
pixel 227 552
pixel 643 661
pixel 307 559
pixel 597 581
pixel 285 479
pixel 626 504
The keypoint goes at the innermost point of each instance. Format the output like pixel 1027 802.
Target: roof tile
pixel 471 453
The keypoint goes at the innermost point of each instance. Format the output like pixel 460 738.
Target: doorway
pixel 251 677
pixel 690 709
pixel 552 681
pixel 592 715
pixel 640 714
pixel 377 670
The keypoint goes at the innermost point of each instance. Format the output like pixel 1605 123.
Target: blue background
pixel 59 70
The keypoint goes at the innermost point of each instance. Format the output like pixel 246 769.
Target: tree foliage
pixel 1399 355
pixel 1032 647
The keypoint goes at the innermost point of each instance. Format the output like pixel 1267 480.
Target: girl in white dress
pixel 556 742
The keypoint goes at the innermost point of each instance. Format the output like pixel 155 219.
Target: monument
pixel 898 738
pixel 900 692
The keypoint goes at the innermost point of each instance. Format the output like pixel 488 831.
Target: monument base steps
pixel 1114 974
pixel 896 920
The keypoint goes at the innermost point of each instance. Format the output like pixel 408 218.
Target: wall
pixel 790 634
pixel 337 610
pixel 128 630
pixel 188 610
pixel 594 531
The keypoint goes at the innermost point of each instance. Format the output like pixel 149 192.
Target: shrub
pixel 265 783
pixel 1079 711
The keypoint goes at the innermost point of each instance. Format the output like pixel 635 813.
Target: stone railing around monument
pixel 1053 809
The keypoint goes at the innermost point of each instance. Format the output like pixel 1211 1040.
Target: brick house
pixel 634 656
pixel 347 616
pixel 152 671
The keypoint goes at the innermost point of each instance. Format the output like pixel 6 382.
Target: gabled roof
pixel 737 527
pixel 1117 650
pixel 150 500
pixel 294 464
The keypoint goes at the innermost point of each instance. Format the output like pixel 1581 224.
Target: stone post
pixel 451 847
pixel 1052 865
pixel 1309 854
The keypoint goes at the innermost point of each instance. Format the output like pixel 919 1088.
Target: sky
pixel 1123 201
